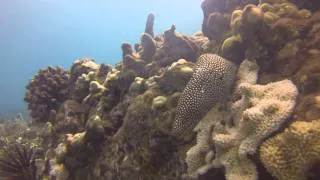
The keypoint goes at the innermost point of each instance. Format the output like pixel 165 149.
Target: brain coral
pixel 291 154
pixel 209 85
pixel 46 91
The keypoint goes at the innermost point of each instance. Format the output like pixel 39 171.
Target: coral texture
pixel 46 91
pixel 292 153
pixel 187 107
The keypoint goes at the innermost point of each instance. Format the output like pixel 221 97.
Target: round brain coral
pixel 293 153
pixel 210 84
pixel 46 91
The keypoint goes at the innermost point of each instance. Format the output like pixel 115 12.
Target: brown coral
pixel 216 26
pixel 46 91
pixel 177 46
pixel 291 154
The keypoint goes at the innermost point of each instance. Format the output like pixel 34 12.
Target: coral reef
pixel 239 100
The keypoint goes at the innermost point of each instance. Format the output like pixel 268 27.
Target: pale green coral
pixel 159 102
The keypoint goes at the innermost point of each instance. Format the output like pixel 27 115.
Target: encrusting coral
pixel 292 153
pixel 47 91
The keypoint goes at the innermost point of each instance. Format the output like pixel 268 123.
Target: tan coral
pixel 259 120
pixel 291 154
pixel 261 111
pixel 196 156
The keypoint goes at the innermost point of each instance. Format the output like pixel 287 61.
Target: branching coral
pixel 46 91
pixel 209 85
pixel 292 153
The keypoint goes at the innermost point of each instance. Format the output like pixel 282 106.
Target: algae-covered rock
pixel 177 46
pixel 233 49
pixel 176 76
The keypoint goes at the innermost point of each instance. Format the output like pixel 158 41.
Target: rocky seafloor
pixel 239 100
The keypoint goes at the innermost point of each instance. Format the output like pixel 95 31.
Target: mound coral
pixel 47 91
pixel 292 153
pixel 209 85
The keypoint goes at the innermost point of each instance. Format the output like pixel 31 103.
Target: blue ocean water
pixel 37 33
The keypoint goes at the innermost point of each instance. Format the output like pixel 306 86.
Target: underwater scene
pixel 232 95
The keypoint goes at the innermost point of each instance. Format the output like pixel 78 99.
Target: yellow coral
pixel 291 154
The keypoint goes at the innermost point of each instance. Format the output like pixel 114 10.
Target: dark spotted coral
pixel 18 163
pixel 46 91
pixel 209 85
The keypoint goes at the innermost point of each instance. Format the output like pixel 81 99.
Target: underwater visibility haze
pixel 160 90
pixel 38 33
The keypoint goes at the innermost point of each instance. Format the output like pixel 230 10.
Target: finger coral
pixel 209 85
pixel 46 91
pixel 292 153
